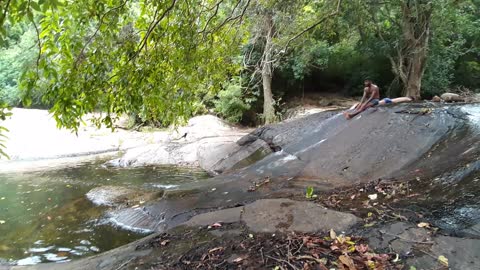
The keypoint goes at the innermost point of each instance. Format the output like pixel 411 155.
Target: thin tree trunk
pixel 267 74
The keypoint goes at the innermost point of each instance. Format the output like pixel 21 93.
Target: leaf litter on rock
pixel 290 251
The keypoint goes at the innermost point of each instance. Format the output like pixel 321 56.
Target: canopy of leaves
pixel 165 60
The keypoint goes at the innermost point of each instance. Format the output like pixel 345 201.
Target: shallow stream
pixel 45 216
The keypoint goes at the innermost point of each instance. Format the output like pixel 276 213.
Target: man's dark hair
pixel 367 80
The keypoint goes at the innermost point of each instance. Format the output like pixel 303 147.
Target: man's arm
pixel 371 97
pixel 362 100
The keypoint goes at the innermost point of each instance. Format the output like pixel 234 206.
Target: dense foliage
pixel 165 61
pixel 16 56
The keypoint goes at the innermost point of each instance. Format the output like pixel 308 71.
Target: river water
pixel 46 217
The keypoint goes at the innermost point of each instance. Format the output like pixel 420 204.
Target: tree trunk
pixel 415 73
pixel 410 62
pixel 267 74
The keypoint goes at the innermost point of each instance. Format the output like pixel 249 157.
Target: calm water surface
pixel 45 216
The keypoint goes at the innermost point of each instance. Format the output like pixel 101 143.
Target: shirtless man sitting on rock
pixel 373 92
pixel 371 97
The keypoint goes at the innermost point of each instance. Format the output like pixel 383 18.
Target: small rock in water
pixel 40 250
pixel 109 195
pixel 77 252
pixel 85 242
pixel 63 249
pixel 54 257
pixel 94 249
pixel 82 248
pixel 30 261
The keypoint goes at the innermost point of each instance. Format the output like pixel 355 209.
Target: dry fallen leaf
pixel 347 261
pixel 373 197
pixel 215 249
pixel 239 259
pixel 165 242
pixel 333 235
pixel 334 247
pixel 423 225
pixel 443 260
pixel 361 248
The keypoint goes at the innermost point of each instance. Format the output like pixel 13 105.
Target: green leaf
pixel 35 6
pixel 387 24
pixel 309 193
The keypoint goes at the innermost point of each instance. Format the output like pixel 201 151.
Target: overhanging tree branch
pixel 5 11
pixel 82 51
pixel 217 6
pixel 152 27
pixel 337 10
pixel 234 18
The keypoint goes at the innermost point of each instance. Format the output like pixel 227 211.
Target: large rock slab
pixel 462 253
pixel 204 142
pixel 399 236
pixel 405 239
pixel 287 215
pixel 380 143
pixel 401 142
pixel 473 231
pixel 279 135
pixel 238 156
pixel 229 215
pixel 273 215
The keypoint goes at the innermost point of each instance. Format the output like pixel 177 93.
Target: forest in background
pixel 165 61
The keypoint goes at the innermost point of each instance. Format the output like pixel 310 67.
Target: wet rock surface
pixel 325 151
pixel 401 142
